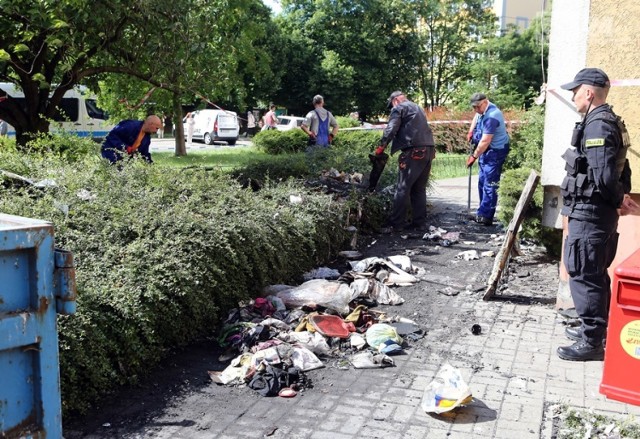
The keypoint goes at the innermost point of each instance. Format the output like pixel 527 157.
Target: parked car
pixel 286 123
pixel 215 125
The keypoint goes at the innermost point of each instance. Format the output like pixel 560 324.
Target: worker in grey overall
pixel 595 192
pixel 410 133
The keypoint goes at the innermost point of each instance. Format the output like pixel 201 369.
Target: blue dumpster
pixel 36 282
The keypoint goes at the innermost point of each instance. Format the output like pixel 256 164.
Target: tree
pixel 178 45
pixel 203 58
pixel 45 50
pixel 446 31
pixel 510 67
pixel 353 52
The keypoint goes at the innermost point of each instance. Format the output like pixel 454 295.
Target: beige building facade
pixel 518 12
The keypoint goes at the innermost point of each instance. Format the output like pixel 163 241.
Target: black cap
pixel 588 76
pixel 476 98
pixel 392 96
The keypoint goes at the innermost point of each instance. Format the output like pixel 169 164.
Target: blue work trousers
pixel 490 164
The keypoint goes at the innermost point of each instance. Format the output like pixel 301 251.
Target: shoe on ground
pixel 581 351
pixel 575 333
pixel 484 220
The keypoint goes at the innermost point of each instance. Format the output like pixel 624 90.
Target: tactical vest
pixel 579 186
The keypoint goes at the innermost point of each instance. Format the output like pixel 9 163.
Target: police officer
pixel 410 133
pixel 595 192
pixel 490 136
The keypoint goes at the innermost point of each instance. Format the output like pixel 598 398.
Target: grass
pixel 227 158
pixel 444 166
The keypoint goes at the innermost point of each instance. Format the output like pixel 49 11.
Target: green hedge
pixel 526 155
pixel 161 254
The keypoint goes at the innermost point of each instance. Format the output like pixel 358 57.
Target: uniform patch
pixel 594 142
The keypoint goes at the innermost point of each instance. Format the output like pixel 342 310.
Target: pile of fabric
pixel 273 340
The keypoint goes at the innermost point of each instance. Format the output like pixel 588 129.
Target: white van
pixel 215 125
pixel 78 113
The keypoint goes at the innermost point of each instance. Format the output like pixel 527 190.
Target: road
pixel 168 144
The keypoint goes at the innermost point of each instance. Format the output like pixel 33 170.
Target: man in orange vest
pixel 129 137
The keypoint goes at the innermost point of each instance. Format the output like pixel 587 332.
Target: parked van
pixel 77 113
pixel 216 125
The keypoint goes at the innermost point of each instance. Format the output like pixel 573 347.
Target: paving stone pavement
pixel 515 377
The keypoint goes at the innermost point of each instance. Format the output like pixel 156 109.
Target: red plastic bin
pixel 620 377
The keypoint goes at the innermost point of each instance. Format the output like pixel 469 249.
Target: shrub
pixel 525 155
pixel 281 142
pixel 347 122
pixel 161 253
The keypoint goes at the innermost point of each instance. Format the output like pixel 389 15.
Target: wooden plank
pixel 512 231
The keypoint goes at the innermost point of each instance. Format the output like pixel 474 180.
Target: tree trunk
pixel 181 149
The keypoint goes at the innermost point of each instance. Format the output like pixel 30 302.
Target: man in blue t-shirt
pixel 493 147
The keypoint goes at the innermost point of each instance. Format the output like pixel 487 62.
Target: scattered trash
pixel 330 326
pixel 447 391
pixel 476 329
pixel 332 295
pixel 295 199
pixel 379 333
pixel 350 254
pixel 448 291
pixel 468 255
pixel 322 273
pixel 488 254
pixel 367 360
pixel 287 392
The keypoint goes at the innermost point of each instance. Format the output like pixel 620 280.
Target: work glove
pixel 380 150
pixel 130 150
pixel 471 160
pixel 330 138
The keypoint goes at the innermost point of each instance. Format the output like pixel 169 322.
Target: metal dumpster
pixel 36 281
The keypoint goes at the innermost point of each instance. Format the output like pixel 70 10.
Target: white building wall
pixel 567 55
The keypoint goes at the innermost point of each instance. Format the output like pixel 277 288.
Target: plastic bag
pixel 447 391
pixel 332 295
pixel 379 333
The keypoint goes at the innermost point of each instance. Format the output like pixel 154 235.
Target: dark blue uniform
pixel 122 136
pixel 597 178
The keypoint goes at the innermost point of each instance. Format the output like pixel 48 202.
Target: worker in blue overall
pixel 320 125
pixel 493 147
pixel 130 137
pixel 408 132
pixel 595 193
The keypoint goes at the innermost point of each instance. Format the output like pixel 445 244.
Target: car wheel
pixel 232 142
pixel 208 139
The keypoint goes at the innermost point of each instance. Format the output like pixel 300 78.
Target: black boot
pixel 581 351
pixel 573 333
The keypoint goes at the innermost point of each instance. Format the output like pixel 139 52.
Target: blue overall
pixel 491 161
pixel 322 137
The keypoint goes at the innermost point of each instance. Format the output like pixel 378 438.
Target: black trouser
pixel 414 168
pixel 588 252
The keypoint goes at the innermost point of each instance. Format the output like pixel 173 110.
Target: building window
pixel 522 22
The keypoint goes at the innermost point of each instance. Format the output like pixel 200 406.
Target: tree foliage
pixel 354 53
pixel 187 47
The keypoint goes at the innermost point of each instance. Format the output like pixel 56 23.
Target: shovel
pixel 378 162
